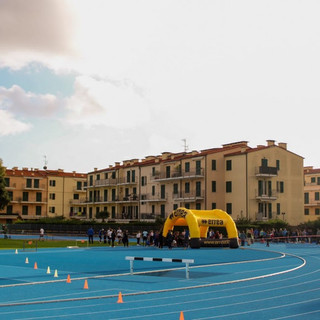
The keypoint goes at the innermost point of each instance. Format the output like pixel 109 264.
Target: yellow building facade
pixel 311 193
pixel 259 183
pixel 36 194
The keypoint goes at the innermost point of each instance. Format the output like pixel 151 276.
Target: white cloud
pixel 11 126
pixel 35 30
pixel 17 101
pixel 108 103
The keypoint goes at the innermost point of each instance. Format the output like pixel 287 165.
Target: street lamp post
pixel 283 213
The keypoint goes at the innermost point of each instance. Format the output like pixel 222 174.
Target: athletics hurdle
pixel 186 261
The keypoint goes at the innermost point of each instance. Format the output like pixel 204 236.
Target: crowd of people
pixel 146 238
pixel 249 236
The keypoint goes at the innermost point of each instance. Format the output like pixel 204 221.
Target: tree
pixel 102 215
pixel 4 196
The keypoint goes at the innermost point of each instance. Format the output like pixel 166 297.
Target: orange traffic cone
pixel 35 266
pixel 181 316
pixel 85 284
pixel 69 279
pixel 120 298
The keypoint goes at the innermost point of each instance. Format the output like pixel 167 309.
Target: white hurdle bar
pixel 186 261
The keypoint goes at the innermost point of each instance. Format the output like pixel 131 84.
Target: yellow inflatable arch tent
pixel 199 221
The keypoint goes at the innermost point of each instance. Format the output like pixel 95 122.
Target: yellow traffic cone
pixel 48 270
pixel 56 273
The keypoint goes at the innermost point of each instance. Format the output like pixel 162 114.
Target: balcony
pixel 11 186
pixel 128 198
pixel 177 175
pixel 157 197
pixel 266 196
pixel 30 188
pixel 189 196
pixel 264 171
pixel 264 216
pixel 125 181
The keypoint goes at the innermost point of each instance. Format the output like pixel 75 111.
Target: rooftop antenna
pixel 45 162
pixel 185 145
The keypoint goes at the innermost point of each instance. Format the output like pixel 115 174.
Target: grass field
pixel 19 244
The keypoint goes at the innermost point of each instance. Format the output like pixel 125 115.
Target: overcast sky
pixel 86 83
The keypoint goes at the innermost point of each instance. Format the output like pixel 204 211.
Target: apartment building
pixel 261 183
pixel 311 193
pixel 38 193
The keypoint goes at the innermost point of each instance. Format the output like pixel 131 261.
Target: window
pixel 113 194
pixel 278 164
pixel 228 186
pixel 79 185
pixel 306 212
pixel 153 209
pixel 313 179
pixel 278 209
pixel 52 183
pixel 29 183
pixel 36 183
pixel 213 186
pixel 52 196
pixel 98 177
pixel 198 189
pixel 10 194
pixel 113 176
pixel 306 198
pixel 90 180
pixel 187 167
pixel 153 190
pixel 187 187
pixel 24 210
pixel 198 167
pixel 7 182
pixel 163 191
pixel 128 176
pixel 198 206
pixel 317 211
pixel 316 196
pixel 9 209
pixel 163 211
pixel 105 195
pixel 318 180
pixel 106 175
pixel 280 186
pixel 229 208
pixel 113 211
pixel 229 165
pixel 76 196
pixel 264 162
pixel 153 171
pixel 133 174
pixel 143 181
pixel 25 196
pixel 52 209
pixel 175 188
pixel 213 205
pixel 213 165
pixel 38 196
pixel 175 206
pixel 168 172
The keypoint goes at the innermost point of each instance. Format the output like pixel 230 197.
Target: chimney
pixel 271 143
pixel 282 145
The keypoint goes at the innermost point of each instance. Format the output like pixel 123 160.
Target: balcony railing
pixel 189 196
pixel 157 197
pixel 264 171
pixel 266 196
pixel 177 175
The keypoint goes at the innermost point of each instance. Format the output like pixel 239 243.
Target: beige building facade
pixel 38 193
pixel 311 193
pixel 259 183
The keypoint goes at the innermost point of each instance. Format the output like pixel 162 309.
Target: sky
pixel 87 83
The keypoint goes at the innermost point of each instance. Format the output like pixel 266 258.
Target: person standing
pixel 144 237
pixel 90 233
pixel 41 236
pixel 125 239
pixel 138 237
